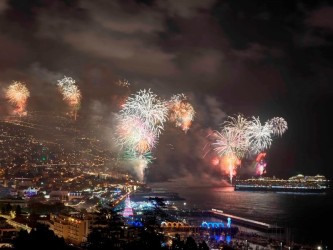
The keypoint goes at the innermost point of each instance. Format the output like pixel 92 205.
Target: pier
pixel 257 225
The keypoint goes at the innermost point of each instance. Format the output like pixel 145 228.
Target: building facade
pixel 73 228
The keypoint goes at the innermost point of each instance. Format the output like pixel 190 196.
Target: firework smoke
pixel 261 164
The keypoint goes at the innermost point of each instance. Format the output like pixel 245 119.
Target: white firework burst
pixel 278 125
pixel 229 143
pixel 151 110
pixel 259 135
pixel 239 126
pixel 71 93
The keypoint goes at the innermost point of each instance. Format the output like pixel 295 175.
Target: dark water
pixel 306 216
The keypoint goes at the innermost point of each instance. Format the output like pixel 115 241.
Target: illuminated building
pixel 7 232
pixel 74 229
pixel 29 192
pixel 59 195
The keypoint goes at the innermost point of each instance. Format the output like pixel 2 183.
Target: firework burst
pixel 148 108
pixel 122 98
pixel 123 83
pixel 229 144
pixel 71 94
pixel 18 94
pixel 181 112
pixel 132 133
pixel 259 135
pixel 139 125
pixel 238 127
pixel 278 125
pixel 241 137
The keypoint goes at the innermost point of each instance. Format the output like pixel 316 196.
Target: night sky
pixel 258 58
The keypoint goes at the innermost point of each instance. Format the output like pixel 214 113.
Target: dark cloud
pixel 261 58
pixel 321 18
pixel 3 6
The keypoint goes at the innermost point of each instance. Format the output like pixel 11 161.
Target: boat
pixel 298 183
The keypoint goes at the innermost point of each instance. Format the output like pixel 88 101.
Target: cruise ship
pixel 298 183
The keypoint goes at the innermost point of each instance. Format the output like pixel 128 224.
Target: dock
pixel 257 225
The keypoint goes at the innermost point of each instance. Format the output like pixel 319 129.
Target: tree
pixel 18 210
pixel 40 238
pixel 203 246
pixel 106 233
pixel 177 243
pixel 97 240
pixel 146 241
pixel 21 239
pixel 190 244
pixel 8 208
